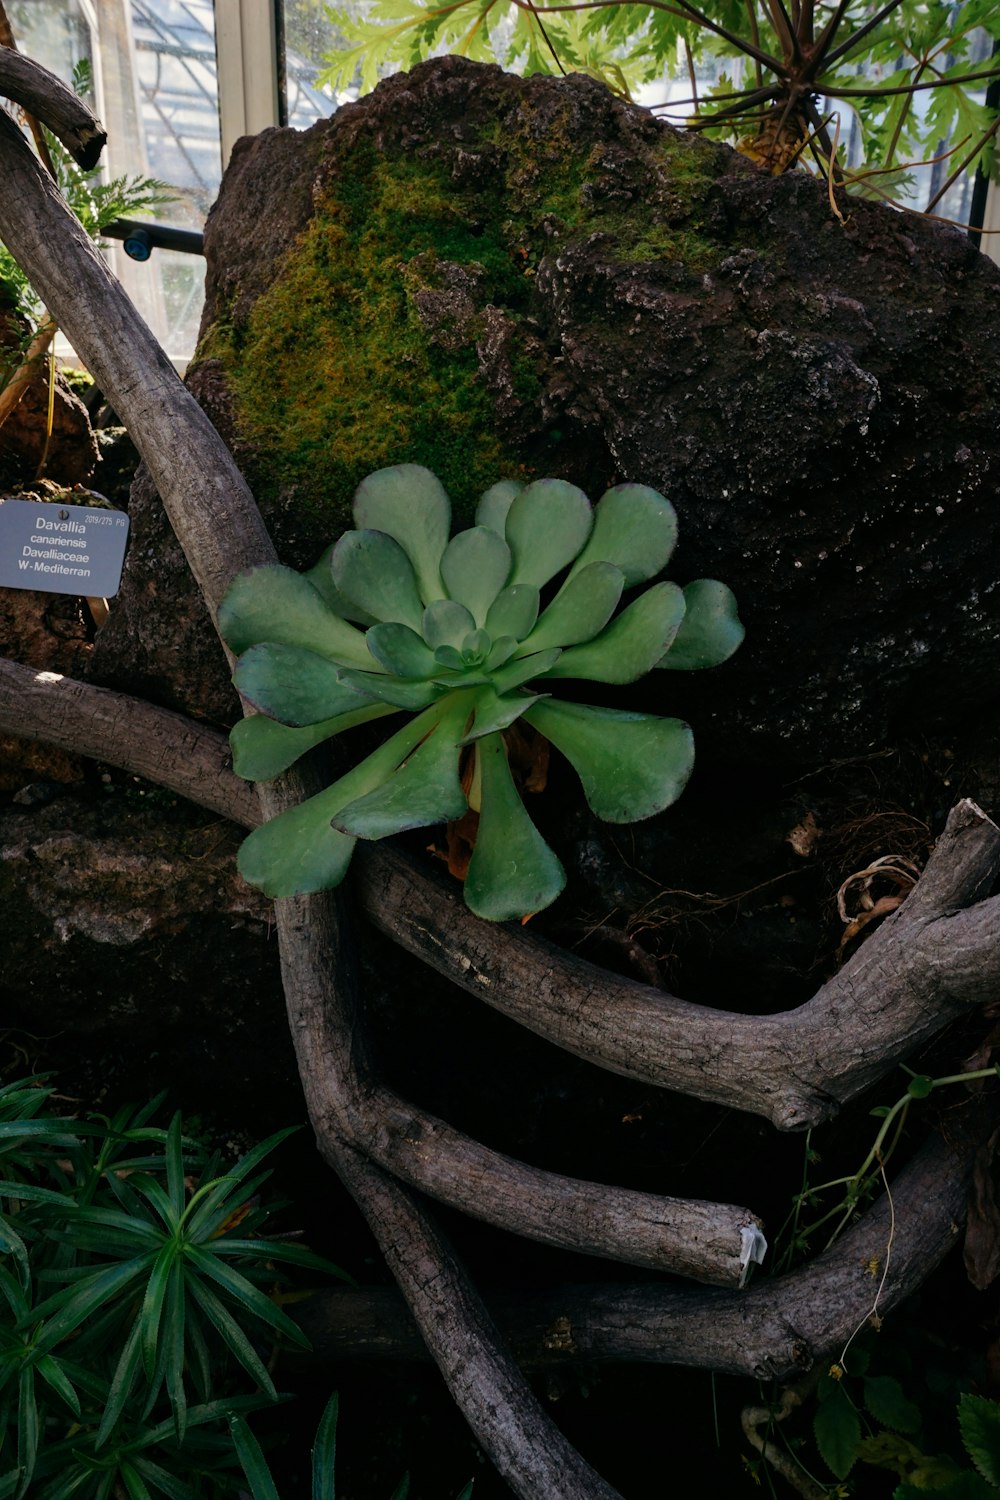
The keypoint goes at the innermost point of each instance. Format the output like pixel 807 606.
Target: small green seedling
pixel 395 617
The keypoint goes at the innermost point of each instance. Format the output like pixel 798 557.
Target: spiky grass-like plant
pixel 396 617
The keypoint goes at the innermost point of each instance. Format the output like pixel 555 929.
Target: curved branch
pixel 930 962
pixel 688 1237
pixel 775 1331
pixel 46 97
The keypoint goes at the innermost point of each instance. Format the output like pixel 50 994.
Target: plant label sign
pixel 61 549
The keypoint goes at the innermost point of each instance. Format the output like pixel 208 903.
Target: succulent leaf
pixel 401 692
pixel 512 871
pixel 501 651
pixel 446 623
pixel 262 748
pixel 424 790
pixel 547 524
pixel 635 528
pixel 493 712
pixel 632 644
pixel 300 851
pixel 409 504
pixel 474 568
pixel 631 765
pixel 494 505
pixel 372 569
pixel 274 603
pixel 400 650
pixel 580 611
pixel 293 685
pixel 523 669
pixel 710 631
pixel 514 611
pixel 321 578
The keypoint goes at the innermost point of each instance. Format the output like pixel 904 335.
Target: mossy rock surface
pixel 497 276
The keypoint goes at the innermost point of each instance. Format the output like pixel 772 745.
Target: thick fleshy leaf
pixel 446 623
pixel 631 765
pixel 580 610
pixel 500 652
pixel 710 631
pixel 408 503
pixel 277 604
pixel 474 569
pixel 424 790
pixel 300 851
pixel 512 871
pixel 400 650
pixel 513 612
pixel 372 569
pixel 262 748
pixel 294 685
pixel 632 644
pixel 449 657
pixel 635 528
pixel 497 501
pixel 547 525
pixel 401 692
pixel 523 669
pixel 321 578
pixel 493 712
pixel 476 647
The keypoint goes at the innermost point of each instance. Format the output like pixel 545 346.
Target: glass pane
pixel 309 36
pixel 154 88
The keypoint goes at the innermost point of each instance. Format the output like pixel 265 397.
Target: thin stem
pixel 883 91
pixel 964 163
pixel 751 8
pixel 857 36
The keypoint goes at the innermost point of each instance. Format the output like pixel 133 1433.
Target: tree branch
pixel 46 97
pixel 930 962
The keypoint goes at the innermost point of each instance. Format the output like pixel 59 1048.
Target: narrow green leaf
pixel 400 650
pixel 204 1217
pixel 133 1482
pixel 402 1490
pixel 635 528
pixel 174 1158
pixel 294 685
pixel 371 568
pixel 496 502
pixel 979 1422
pixel 580 610
pixel 409 504
pixel 446 623
pixel 837 1430
pixel 631 765
pixel 547 524
pixel 512 871
pixel 277 604
pixel 232 1336
pixel 95 1292
pixel 632 644
pixel 56 1379
pixel 424 790
pixel 27 1427
pixel 474 568
pixel 12 1244
pixel 324 1453
pixel 263 748
pixel 250 1299
pixel 251 1457
pixel 513 611
pixel 122 1383
pixel 710 631
pixel 466 1492
pixel 152 1305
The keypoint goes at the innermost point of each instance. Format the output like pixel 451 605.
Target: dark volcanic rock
pixel 494 275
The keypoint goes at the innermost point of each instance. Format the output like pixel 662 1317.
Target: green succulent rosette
pixel 466 636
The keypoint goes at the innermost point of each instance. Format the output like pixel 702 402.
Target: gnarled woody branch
pixel 688 1237
pixel 46 97
pixel 775 1331
pixel 933 959
pixel 218 525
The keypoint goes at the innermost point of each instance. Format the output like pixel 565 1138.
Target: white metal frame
pixel 246 48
